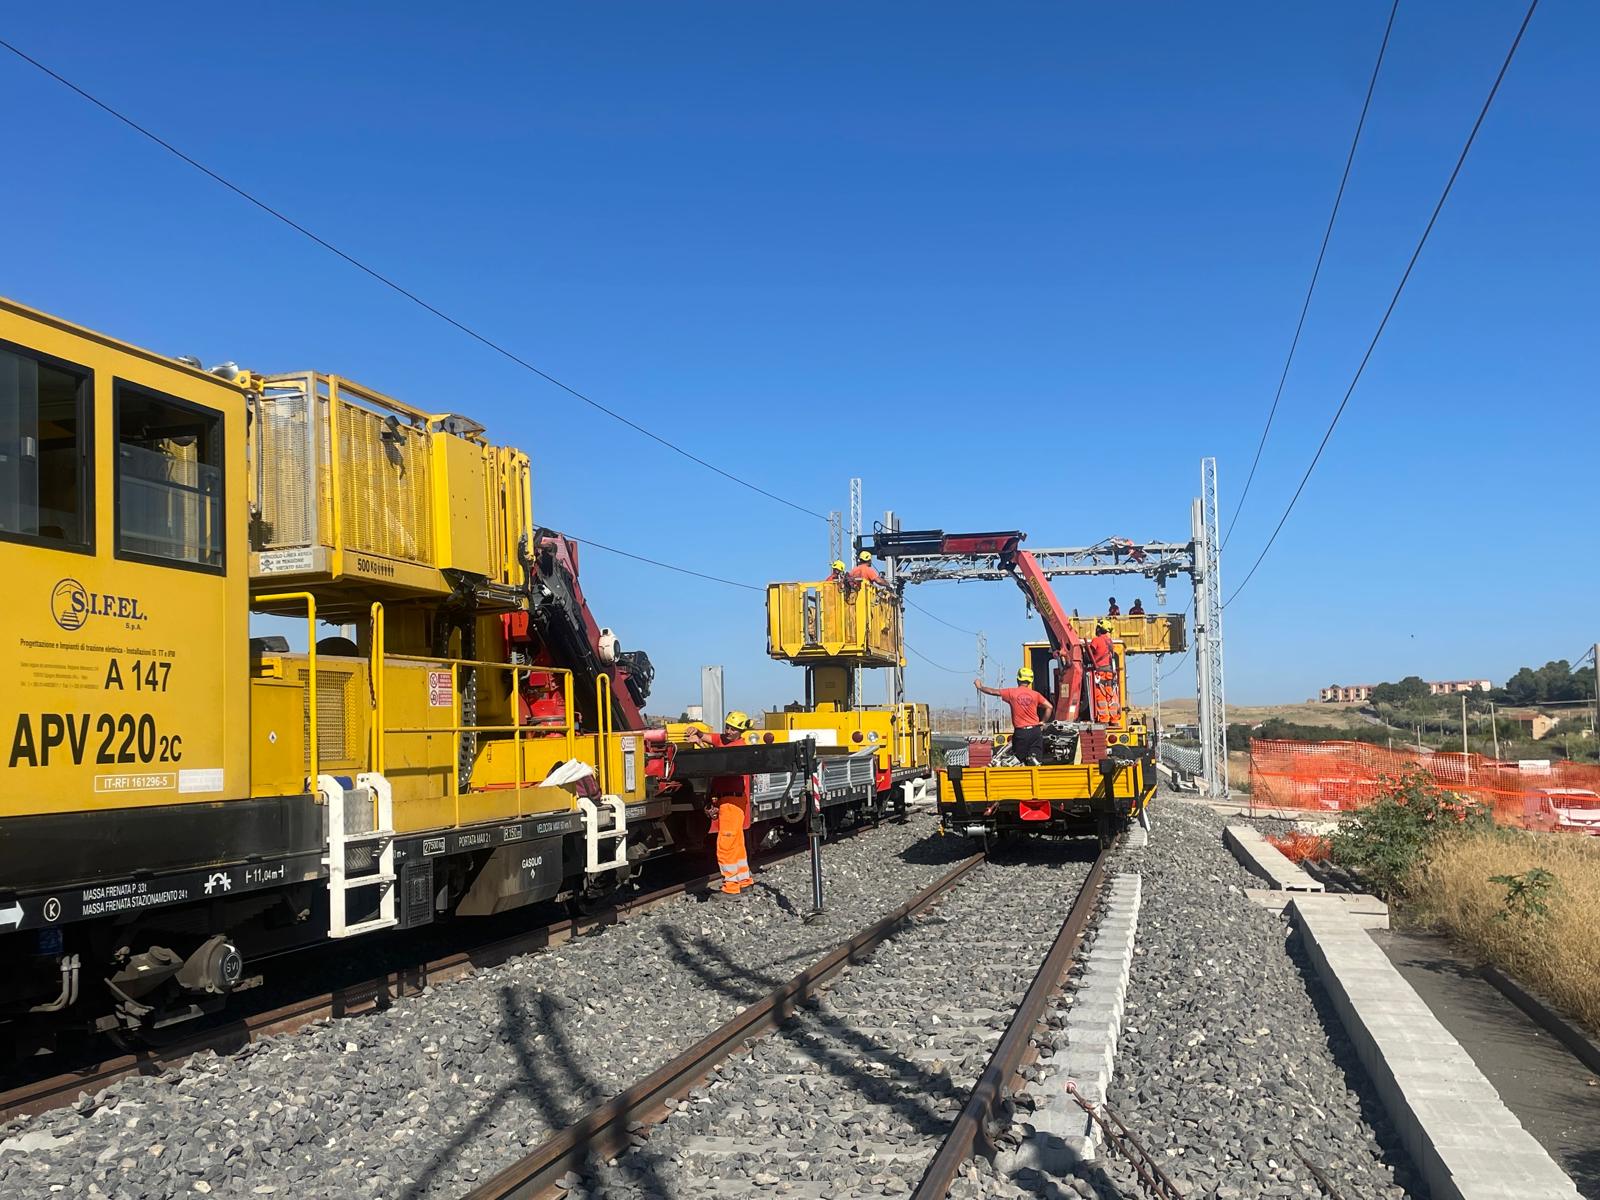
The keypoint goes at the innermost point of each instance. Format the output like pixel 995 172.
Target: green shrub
pixel 1385 840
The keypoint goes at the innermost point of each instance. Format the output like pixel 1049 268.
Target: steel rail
pixel 58 1091
pixel 609 1129
pixel 971 1134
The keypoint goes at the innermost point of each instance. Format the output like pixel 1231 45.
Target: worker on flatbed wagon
pixel 864 571
pixel 1111 608
pixel 836 572
pixel 1137 610
pixel 1103 679
pixel 729 798
pixel 1029 712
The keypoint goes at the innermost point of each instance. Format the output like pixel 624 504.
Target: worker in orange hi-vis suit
pixel 1107 704
pixel 730 801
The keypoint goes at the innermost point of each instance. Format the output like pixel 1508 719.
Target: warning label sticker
pixel 283 562
pixel 441 692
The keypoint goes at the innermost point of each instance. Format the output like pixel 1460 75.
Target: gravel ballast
pixel 438 1092
pixel 1230 1058
pixel 854 1095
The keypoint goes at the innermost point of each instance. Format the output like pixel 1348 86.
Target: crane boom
pixel 1006 550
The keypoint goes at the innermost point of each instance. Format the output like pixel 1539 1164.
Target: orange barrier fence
pixel 1339 776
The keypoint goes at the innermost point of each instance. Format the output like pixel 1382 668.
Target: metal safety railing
pixel 382 730
pixel 311 676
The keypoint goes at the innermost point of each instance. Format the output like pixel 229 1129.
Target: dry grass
pixel 1558 954
pixel 1339 716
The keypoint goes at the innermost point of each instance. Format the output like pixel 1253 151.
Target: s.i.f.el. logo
pixel 71 604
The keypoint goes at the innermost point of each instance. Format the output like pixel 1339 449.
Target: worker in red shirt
pixel 729 797
pixel 1137 610
pixel 1112 609
pixel 864 571
pixel 1029 712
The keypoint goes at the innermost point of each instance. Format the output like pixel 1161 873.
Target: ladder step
pixel 358 881
pixel 375 835
pixel 370 926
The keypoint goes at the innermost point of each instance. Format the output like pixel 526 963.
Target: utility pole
pixel 891 577
pixel 983 701
pixel 1494 730
pixel 1466 762
pixel 855 545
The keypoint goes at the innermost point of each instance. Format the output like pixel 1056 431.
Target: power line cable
pixel 1393 301
pixel 931 663
pixel 373 273
pixel 941 620
pixel 1311 288
pixel 666 566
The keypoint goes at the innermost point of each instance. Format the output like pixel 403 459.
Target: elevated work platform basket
pixel 828 622
pixel 365 498
pixel 1150 633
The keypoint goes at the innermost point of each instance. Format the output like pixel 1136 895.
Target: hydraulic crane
pixel 1067 645
pixel 1099 768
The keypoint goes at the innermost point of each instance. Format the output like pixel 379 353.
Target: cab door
pixel 122 546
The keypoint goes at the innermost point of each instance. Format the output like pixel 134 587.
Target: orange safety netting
pixel 1338 776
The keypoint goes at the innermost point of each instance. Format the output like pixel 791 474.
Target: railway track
pixel 896 1071
pixel 369 995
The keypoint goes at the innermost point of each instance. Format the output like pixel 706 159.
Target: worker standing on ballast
pixel 729 799
pixel 1029 712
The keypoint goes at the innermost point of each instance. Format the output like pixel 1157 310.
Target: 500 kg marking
pixel 124 738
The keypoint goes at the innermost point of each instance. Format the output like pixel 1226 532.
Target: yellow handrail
pixel 456 728
pixel 602 730
pixel 375 667
pixel 311 672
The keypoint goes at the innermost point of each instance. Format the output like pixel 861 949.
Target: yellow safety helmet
pixel 838 564
pixel 865 556
pixel 1025 675
pixel 737 720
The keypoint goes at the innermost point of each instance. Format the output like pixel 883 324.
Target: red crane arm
pixel 1064 639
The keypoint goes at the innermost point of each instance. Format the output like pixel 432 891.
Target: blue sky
pixel 1016 271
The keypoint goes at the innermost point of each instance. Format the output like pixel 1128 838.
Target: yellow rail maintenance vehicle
pixel 1093 775
pixel 182 798
pixel 874 759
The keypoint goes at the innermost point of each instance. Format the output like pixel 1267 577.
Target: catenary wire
pixel 377 275
pixel 666 566
pixel 941 620
pixel 1316 271
pixel 931 663
pixel 1393 301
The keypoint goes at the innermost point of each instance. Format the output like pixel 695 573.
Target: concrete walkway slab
pixel 1261 857
pixel 1463 1139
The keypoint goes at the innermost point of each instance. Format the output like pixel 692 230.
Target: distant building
pixel 1451 687
pixel 1355 693
pixel 1345 693
pixel 1534 724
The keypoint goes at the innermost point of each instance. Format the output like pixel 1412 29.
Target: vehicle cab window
pixel 44 451
pixel 169 479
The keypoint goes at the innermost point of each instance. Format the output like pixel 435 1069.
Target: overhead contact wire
pixel 941 620
pixel 1393 301
pixel 373 273
pixel 1305 307
pixel 931 663
pixel 665 566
